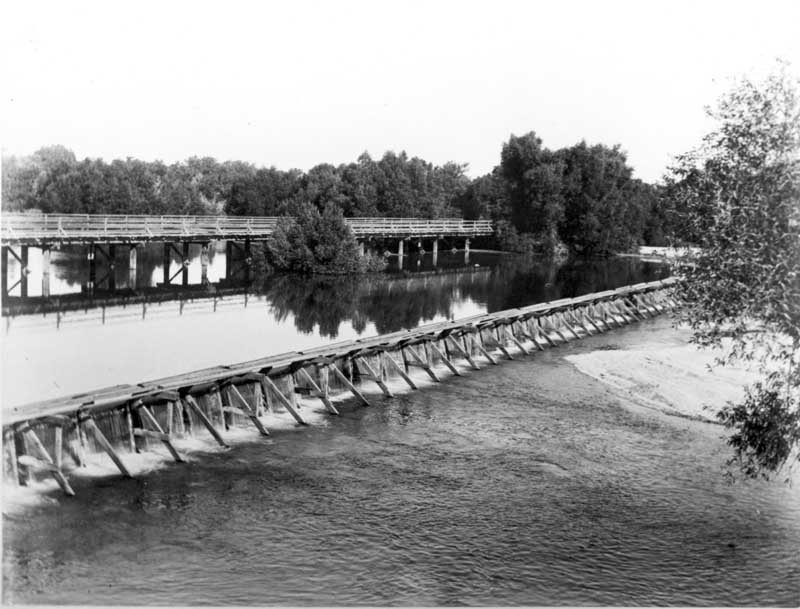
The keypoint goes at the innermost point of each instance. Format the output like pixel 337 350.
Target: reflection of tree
pixel 402 301
pixel 391 303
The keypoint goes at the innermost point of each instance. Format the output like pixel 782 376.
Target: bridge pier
pixel 133 254
pixel 185 263
pixel 90 255
pixel 46 271
pixel 165 261
pixel 466 250
pixel 111 276
pixel 228 259
pixel 204 259
pixel 361 249
pixel 435 251
pixel 4 271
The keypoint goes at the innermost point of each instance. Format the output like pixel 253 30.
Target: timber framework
pixel 52 438
pixel 107 236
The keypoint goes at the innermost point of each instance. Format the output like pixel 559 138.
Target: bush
pixel 314 242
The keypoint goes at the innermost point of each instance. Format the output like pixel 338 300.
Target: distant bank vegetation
pixel 582 199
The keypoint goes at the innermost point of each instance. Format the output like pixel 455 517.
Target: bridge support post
pixel 46 271
pixel 25 271
pixel 92 269
pixel 132 260
pixel 165 263
pixel 185 263
pixel 228 259
pixel 4 270
pixel 435 251
pixel 112 267
pixel 204 263
pixel 361 249
pixel 248 260
pixel 466 250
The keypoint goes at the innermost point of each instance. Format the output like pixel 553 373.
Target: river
pixel 525 483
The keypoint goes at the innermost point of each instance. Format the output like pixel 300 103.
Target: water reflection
pixel 397 300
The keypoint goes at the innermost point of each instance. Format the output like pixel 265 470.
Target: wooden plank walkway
pixel 43 229
pixel 216 398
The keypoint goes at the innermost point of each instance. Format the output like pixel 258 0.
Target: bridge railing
pixel 19 228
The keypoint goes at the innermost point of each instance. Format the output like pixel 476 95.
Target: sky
pixel 297 83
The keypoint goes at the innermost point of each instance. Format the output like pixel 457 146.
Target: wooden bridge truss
pixel 103 234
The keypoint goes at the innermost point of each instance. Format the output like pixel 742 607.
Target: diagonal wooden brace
pixel 48 462
pixel 268 386
pixel 454 344
pixel 418 361
pixel 372 375
pixel 93 429
pixel 322 395
pixel 233 392
pixel 444 358
pixel 146 415
pixel 399 369
pixel 192 405
pixel 346 381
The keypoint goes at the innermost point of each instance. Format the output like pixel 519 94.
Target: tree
pixel 741 189
pixel 600 212
pixel 534 181
pixel 314 242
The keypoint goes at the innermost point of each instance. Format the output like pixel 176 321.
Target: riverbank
pixel 662 371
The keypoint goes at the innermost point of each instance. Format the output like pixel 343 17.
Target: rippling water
pixel 525 483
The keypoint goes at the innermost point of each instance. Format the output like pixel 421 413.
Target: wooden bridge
pixel 126 419
pixel 48 229
pixel 103 234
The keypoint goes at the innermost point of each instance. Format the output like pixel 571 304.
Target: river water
pixel 525 483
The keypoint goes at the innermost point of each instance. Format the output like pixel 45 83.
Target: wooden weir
pixel 126 419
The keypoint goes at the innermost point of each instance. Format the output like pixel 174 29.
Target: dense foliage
pixel 581 198
pixel 740 194
pixel 314 242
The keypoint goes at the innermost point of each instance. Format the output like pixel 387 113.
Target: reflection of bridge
pixel 103 233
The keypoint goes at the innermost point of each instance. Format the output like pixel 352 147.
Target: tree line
pixel 581 199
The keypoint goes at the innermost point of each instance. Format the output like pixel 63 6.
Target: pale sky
pixel 297 83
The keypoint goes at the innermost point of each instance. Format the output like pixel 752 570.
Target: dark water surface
pixel 86 341
pixel 525 483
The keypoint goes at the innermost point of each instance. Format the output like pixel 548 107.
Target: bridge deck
pixel 41 229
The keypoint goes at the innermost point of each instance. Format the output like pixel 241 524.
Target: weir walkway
pixel 102 235
pixel 155 415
